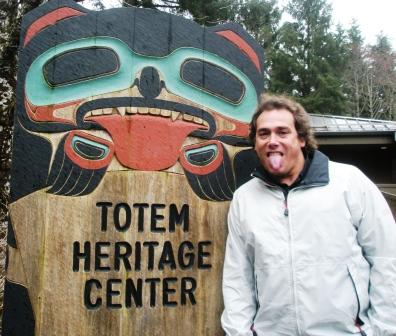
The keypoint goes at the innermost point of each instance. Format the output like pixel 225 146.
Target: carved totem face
pixel 130 128
pixel 110 90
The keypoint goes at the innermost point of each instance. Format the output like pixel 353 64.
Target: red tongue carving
pixel 146 142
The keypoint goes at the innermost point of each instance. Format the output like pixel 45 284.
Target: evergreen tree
pixel 207 12
pixel 261 19
pixel 308 58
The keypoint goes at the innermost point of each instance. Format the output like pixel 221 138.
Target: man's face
pixel 278 145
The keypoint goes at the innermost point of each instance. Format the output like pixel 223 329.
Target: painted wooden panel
pixel 130 139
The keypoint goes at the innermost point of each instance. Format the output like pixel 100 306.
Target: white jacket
pixel 316 270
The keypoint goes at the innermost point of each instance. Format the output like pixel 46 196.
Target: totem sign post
pixel 130 139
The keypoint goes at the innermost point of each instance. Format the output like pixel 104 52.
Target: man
pixel 311 248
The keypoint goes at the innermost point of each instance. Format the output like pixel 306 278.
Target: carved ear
pixel 46 15
pixel 208 169
pixel 80 163
pixel 236 35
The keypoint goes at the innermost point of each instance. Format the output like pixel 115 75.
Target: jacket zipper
pixel 291 255
pixel 286 213
pixel 358 321
pixel 286 209
pixel 360 329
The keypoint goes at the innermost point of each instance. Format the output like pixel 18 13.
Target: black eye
pixel 202 156
pixel 79 65
pixel 89 151
pixel 213 79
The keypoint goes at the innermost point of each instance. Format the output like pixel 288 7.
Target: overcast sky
pixel 373 16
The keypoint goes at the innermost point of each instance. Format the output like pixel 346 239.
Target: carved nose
pixel 149 84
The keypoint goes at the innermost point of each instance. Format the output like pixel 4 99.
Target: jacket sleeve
pixel 238 280
pixel 377 237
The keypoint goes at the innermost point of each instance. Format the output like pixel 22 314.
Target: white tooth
pixel 198 120
pixel 89 114
pixel 206 123
pixel 166 113
pixel 134 110
pixel 121 110
pixel 188 117
pixel 97 112
pixel 174 115
pixel 127 109
pixel 107 111
pixel 154 111
pixel 143 110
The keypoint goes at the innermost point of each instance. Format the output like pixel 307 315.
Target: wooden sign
pixel 130 139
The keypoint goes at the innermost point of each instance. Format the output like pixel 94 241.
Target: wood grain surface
pixel 47 234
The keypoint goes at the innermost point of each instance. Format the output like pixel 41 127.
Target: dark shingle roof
pixel 339 124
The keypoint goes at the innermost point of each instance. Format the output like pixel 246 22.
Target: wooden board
pixel 89 285
pixel 130 139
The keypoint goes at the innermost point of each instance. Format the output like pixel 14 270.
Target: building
pixel 366 143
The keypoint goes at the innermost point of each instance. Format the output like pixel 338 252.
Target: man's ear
pixel 302 142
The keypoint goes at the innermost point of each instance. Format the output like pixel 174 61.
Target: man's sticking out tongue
pixel 275 160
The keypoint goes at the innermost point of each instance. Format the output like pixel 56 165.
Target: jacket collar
pixel 315 172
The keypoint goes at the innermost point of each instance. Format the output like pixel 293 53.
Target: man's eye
pixel 283 133
pixel 213 79
pixel 79 65
pixel 263 134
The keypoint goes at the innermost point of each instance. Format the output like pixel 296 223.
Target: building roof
pixel 328 124
pixel 388 190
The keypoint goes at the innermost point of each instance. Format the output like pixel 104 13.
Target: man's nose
pixel 149 83
pixel 273 140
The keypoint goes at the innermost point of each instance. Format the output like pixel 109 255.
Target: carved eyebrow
pixel 49 19
pixel 242 45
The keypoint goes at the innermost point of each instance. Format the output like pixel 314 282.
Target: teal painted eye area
pixel 93 66
pixel 201 156
pixel 78 65
pixel 88 149
pixel 213 79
